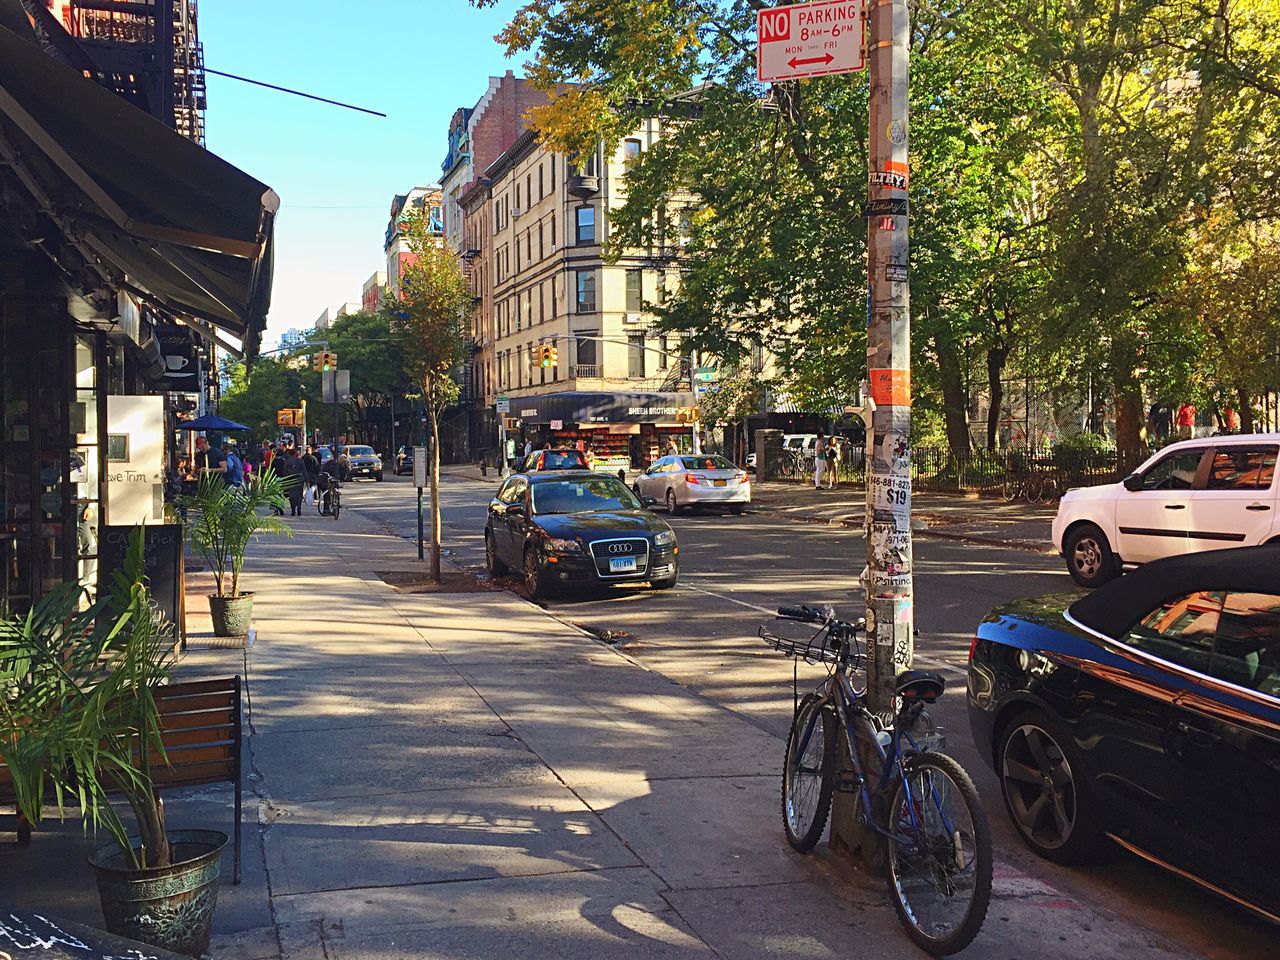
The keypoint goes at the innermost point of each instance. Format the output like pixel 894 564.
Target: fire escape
pixel 149 53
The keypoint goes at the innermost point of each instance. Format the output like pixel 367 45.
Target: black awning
pixel 189 229
pixel 575 407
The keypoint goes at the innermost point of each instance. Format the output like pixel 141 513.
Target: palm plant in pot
pixel 79 724
pixel 223 521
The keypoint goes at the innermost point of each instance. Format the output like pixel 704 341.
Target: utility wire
pixel 296 93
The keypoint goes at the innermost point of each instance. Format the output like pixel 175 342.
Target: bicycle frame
pixel 853 720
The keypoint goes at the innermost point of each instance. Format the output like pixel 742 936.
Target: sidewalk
pixel 464 776
pixel 1025 526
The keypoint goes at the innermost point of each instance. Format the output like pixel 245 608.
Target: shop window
pixel 585 225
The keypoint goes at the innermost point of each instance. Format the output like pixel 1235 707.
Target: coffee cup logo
pixel 176 363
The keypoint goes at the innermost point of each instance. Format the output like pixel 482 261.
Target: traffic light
pixel 553 355
pixel 325 361
pixel 317 361
pixel 544 356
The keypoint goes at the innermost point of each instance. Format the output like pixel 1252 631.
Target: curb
pixel 854 522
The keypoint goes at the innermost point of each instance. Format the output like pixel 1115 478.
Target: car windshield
pixel 582 495
pixel 360 451
pixel 707 463
pixel 562 460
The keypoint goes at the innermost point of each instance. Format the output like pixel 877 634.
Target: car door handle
pixel 1257 506
pixel 1175 506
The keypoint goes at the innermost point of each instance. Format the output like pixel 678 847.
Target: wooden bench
pixel 202 735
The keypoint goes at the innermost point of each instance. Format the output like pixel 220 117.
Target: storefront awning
pixel 190 231
pixel 586 408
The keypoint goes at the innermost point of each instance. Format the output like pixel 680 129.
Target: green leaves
pixel 223 519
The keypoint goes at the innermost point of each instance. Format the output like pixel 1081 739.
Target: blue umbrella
pixel 212 421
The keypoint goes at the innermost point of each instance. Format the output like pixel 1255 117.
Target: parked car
pixel 361 461
pixel 695 481
pixel 1147 712
pixel 403 462
pixel 565 459
pixel 577 528
pixel 1193 495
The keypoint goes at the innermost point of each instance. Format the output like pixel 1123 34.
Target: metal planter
pixel 231 615
pixel 169 907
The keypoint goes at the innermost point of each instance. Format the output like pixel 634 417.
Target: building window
pixel 635 356
pixel 586 225
pixel 586 352
pixel 542 304
pixel 497 215
pixel 553 298
pixel 528 308
pixel 528 246
pixel 528 188
pixel 586 291
pixel 630 150
pixel 541 189
pixel 635 288
pixel 517 196
pixel 662 357
pixel 542 240
pixel 553 233
pixel 553 169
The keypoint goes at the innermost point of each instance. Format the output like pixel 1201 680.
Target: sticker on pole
pixel 419 466
pixel 810 40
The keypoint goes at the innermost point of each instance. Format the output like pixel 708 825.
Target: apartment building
pixel 396 244
pixel 615 383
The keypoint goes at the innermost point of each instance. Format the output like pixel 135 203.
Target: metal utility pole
pixel 888 515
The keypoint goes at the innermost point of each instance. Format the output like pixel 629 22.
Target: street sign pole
pixel 420 481
pixel 888 513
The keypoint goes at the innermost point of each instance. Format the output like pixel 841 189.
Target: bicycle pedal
pixel 848 784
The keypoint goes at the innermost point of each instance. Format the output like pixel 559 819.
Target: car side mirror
pixel 649 502
pixel 1133 482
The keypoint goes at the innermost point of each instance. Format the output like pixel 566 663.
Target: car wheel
pixel 1089 558
pixel 1046 790
pixel 533 583
pixel 491 562
pixel 377 478
pixel 672 507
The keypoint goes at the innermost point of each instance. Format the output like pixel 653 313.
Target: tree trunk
pixel 1244 406
pixel 1131 423
pixel 435 494
pixel 996 357
pixel 954 398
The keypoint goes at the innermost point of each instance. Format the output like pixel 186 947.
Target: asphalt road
pixel 736 570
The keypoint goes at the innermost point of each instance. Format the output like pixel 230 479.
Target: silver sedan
pixel 687 481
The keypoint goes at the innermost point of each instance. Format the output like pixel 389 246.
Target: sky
pixel 336 170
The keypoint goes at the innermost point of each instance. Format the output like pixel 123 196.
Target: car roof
pixel 1223 440
pixel 1113 610
pixel 546 476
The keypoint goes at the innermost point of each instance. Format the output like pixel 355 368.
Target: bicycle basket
pixel 795 639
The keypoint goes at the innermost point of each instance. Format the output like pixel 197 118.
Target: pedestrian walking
pixel 834 450
pixel 291 466
pixel 528 447
pixel 673 449
pixel 819 460
pixel 233 471
pixel 310 474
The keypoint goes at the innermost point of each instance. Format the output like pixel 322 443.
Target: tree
pixel 435 301
pixel 255 394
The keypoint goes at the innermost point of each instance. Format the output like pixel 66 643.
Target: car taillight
pixel 694 479
pixel 973 645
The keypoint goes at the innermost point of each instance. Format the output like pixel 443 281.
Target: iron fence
pixel 1014 474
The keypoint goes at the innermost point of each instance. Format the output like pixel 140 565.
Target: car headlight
pixel 664 538
pixel 563 546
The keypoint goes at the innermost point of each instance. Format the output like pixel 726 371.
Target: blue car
pixel 1144 714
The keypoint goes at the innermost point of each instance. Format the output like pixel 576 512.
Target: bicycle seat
pixel 926 685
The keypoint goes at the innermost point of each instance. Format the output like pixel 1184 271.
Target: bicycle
pixel 329 499
pixel 923 803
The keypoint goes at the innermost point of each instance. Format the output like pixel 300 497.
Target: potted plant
pixel 79 722
pixel 223 520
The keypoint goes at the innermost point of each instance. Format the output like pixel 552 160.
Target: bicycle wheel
pixel 939 852
pixel 336 506
pixel 809 773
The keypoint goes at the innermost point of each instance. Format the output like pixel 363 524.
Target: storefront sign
pixel 181 362
pixel 162 548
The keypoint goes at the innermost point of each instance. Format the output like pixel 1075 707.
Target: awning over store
pixel 189 230
pixel 577 407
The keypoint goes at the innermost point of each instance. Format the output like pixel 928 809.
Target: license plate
pixel 722 483
pixel 622 564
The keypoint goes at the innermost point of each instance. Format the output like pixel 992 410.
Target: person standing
pixel 233 466
pixel 834 449
pixel 528 447
pixel 673 449
pixel 209 459
pixel 819 460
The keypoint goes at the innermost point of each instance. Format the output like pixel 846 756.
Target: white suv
pixel 1193 495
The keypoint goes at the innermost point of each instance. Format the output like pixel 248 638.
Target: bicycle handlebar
pixel 803 614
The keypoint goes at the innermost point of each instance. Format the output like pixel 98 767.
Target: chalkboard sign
pixel 39 935
pixel 163 548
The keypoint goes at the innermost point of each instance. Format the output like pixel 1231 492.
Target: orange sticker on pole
pixel 891 388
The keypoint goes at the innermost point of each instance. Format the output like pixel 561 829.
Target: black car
pixel 1147 712
pixel 403 462
pixel 360 461
pixel 577 528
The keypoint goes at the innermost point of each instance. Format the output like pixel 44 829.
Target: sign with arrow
pixel 810 40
